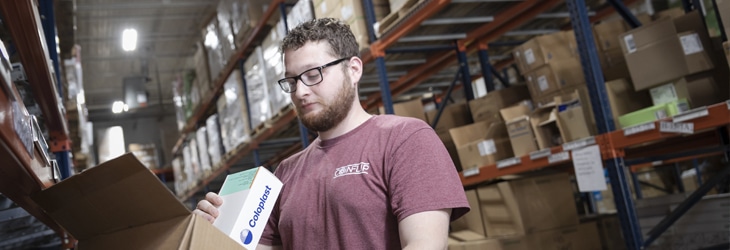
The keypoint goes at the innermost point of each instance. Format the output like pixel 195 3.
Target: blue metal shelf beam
pixel 625 13
pixel 487 69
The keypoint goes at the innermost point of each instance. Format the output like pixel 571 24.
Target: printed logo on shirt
pixel 352 169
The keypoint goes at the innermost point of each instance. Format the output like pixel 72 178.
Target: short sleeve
pixel 423 177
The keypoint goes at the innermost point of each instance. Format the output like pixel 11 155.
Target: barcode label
pixel 539 154
pixel 562 156
pixel 639 128
pixel 487 147
pixel 508 162
pixel 691 44
pixel 692 114
pixel 677 127
pixel 529 56
pixel 630 44
pixel 579 143
pixel 471 172
pixel 543 83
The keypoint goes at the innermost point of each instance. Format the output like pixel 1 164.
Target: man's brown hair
pixel 337 34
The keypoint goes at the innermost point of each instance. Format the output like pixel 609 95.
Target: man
pixel 366 182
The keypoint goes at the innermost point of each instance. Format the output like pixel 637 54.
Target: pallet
pixel 259 129
pixel 278 115
pixel 396 17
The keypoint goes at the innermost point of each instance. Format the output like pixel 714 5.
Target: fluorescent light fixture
pixel 118 107
pixel 129 39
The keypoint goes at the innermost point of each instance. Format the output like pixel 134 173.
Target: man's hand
pixel 208 208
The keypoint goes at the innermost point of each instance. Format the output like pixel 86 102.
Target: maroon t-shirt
pixel 350 192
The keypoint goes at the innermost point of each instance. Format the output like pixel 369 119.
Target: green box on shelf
pixel 654 113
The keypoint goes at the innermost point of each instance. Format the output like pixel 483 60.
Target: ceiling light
pixel 118 107
pixel 129 39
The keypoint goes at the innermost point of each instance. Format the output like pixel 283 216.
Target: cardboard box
pixel 653 113
pixel 454 115
pixel 120 204
pixel 669 13
pixel 528 205
pixel 723 8
pixel 481 144
pixel 487 107
pixel 248 199
pixel 607 32
pixel 257 87
pixel 554 76
pixel 349 11
pixel 583 236
pixel 519 128
pixel 699 90
pixel 544 49
pixel 233 119
pixel 667 49
pixel 468 240
pixel 472 220
pixel 412 108
pixel 545 126
pixel 624 99
pixel 573 124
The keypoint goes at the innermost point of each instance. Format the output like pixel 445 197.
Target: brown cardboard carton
pixel 519 128
pixel 543 49
pixel 607 32
pixel 667 49
pixel 472 220
pixel 573 124
pixel 468 240
pixel 120 204
pixel 481 144
pixel 450 147
pixel 699 89
pixel 669 13
pixel 554 76
pixel 528 205
pixel 584 236
pixel 454 115
pixel 723 8
pixel 623 99
pixel 544 124
pixel 412 108
pixel 487 107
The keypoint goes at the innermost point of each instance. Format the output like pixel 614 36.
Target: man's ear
pixel 355 68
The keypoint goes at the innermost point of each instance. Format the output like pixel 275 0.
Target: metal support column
pixel 625 13
pixel 696 165
pixel 678 173
pixel 303 132
pixel 442 105
pixel 369 9
pixel 63 158
pixel 384 85
pixel 720 25
pixel 48 20
pixel 486 71
pixel 465 74
pixel 604 121
pixel 637 186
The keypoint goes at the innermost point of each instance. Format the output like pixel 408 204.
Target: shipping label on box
pixel 248 199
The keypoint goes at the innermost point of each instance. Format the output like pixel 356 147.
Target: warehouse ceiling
pixel 167 31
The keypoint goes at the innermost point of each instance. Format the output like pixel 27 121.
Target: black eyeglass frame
pixel 284 83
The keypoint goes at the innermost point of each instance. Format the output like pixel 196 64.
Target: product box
pixel 215 143
pixel 544 49
pixel 349 11
pixel 120 204
pixel 623 99
pixel 481 144
pixel 699 90
pixel 554 76
pixel 487 108
pixel 654 113
pixel 257 88
pixel 472 220
pixel 454 115
pixel 607 32
pixel 519 128
pixel 528 205
pixel 248 199
pixel 234 127
pixel 667 49
pixel 214 49
pixel 201 137
pixel 412 108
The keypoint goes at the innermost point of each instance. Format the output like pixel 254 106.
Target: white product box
pixel 248 199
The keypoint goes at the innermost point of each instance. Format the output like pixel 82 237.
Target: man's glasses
pixel 309 77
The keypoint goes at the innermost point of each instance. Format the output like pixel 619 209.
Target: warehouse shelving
pixel 26 169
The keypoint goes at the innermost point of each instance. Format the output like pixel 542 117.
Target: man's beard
pixel 333 113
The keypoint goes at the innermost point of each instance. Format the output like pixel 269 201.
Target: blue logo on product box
pixel 246 236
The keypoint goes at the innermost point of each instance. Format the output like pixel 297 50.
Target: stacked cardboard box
pixel 257 89
pixel 454 115
pixel 215 143
pixel 487 108
pixel 607 35
pixel 245 15
pixel 704 225
pixel 529 213
pixel 273 65
pixel 482 143
pixel 201 137
pixel 349 11
pixel 669 57
pixel 234 127
pixel 412 108
pixel 145 153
